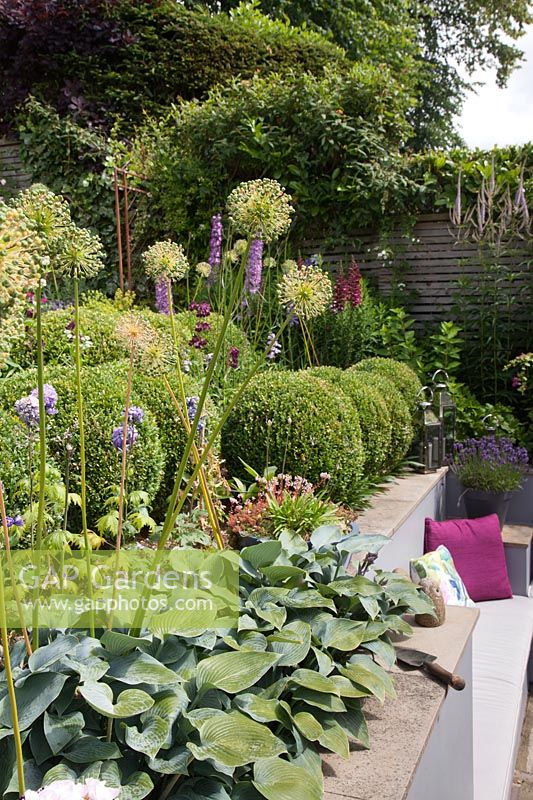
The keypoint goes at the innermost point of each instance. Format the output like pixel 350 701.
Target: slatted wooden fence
pixel 13 176
pixel 428 261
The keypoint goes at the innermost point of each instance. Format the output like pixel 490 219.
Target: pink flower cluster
pixel 348 290
pixel 91 789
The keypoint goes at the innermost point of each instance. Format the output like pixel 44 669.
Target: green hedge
pixel 300 424
pixel 401 418
pixel 104 392
pixel 402 376
pixel 98 322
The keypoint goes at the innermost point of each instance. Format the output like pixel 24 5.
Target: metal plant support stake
pixel 124 215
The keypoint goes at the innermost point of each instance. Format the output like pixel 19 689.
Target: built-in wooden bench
pixel 517 541
pixel 413 747
pixel 416 738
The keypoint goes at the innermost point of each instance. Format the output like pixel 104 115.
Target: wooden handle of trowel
pixel 455 681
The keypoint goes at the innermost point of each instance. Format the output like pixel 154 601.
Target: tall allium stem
pixel 10 684
pixel 14 586
pixel 184 417
pixel 42 461
pixel 81 424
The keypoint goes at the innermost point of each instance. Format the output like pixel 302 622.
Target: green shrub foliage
pixel 104 391
pixel 402 376
pixel 401 418
pixel 302 425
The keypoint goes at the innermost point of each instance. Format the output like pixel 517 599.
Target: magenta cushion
pixel 477 550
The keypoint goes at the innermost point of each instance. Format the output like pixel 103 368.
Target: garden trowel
pixel 425 661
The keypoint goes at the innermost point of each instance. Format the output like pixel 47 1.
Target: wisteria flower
pixel 305 291
pixel 166 259
pixel 260 209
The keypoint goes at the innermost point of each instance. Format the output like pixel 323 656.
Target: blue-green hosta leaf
pixel 326 534
pixel 355 585
pixel 91 669
pixel 346 687
pixel 365 672
pixel 37 692
pixel 307 598
pixel 371 606
pixel 61 772
pixel 279 573
pixel 118 644
pixel 138 786
pixel 363 543
pixel 59 731
pixel 138 668
pixel 252 640
pixel 383 651
pixel 33 776
pixel 172 762
pixel 308 725
pixel 292 643
pixel 129 703
pixel 314 681
pixel 324 662
pixel 152 737
pixel 354 725
pixel 272 613
pixel 343 634
pixel 327 702
pixel 258 708
pixel 88 748
pixel 292 543
pixel 106 771
pixel 334 738
pixel 168 707
pixel 277 779
pixel 263 554
pixel 234 672
pixel 396 623
pixel 45 656
pixel 234 740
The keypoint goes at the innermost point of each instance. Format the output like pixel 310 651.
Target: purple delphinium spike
pixel 215 246
pixel 161 295
pixel 254 268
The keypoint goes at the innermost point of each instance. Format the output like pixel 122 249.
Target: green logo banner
pixel 183 591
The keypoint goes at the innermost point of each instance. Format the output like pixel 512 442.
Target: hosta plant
pixel 204 715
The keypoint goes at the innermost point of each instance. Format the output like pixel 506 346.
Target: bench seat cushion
pixel 501 647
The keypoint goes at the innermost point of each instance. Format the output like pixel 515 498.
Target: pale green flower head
pixel 166 260
pixel 81 254
pixel 203 268
pixel 305 291
pixel 260 209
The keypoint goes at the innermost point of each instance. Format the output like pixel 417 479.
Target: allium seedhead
pixel 305 292
pixel 157 355
pixel 166 259
pixel 260 209
pixel 133 332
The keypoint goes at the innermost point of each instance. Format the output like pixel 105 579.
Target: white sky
pixel 496 116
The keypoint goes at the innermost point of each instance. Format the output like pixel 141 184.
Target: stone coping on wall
pixel 395 503
pixel 400 729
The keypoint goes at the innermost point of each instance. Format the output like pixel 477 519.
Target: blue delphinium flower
pixel 273 348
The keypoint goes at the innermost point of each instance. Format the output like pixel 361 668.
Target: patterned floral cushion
pixel 438 566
